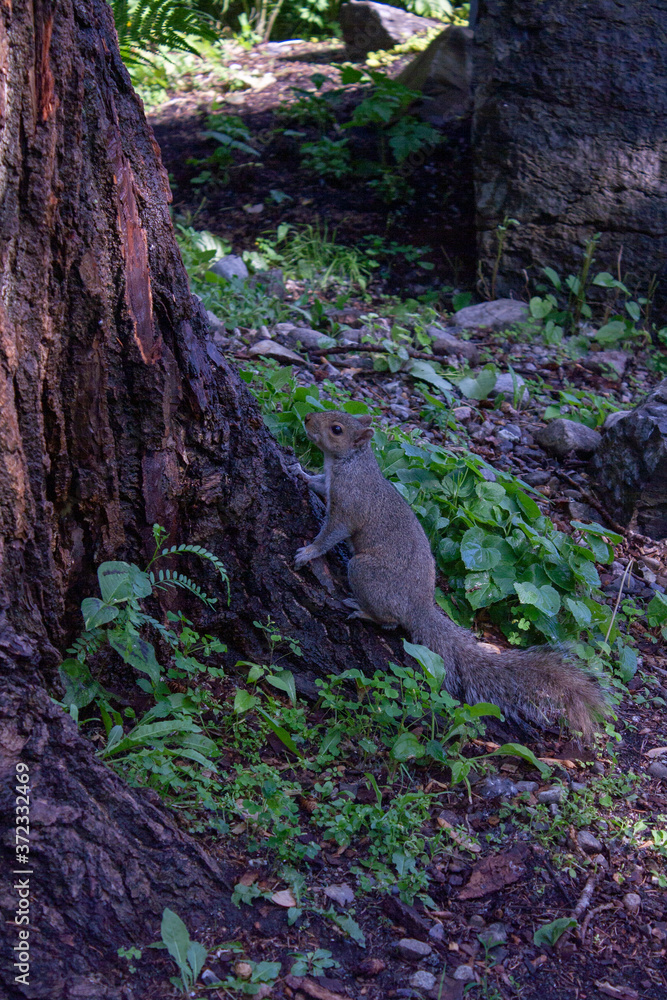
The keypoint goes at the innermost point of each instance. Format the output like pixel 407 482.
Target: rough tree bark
pixel 113 416
pixel 569 136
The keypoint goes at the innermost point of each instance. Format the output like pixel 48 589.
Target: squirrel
pixel 392 577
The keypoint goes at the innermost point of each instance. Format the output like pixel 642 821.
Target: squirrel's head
pixel 337 433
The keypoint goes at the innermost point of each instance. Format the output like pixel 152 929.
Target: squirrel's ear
pixel 365 435
pixel 365 419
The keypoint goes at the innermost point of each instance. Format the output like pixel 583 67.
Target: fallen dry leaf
pixel 495 872
pixel 313 989
pixel 656 752
pixel 620 992
pixel 284 898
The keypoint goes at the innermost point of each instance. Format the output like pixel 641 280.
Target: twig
pixel 586 896
pixel 618 599
pixel 371 349
pixel 589 917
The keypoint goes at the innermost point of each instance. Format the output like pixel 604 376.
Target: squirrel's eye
pixel 336 429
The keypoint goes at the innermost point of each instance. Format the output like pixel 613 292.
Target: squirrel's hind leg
pixel 372 591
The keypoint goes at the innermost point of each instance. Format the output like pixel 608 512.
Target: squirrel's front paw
pixel 304 555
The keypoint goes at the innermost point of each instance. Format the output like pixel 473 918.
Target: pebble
pixel 527 786
pixel 230 267
pixel 588 843
pixel 269 349
pixel 506 383
pixel 550 795
pixel 464 974
pixel 413 950
pixel 402 412
pixel 561 437
pixel 462 413
pixel 658 770
pixel 494 935
pixel 437 933
pixel 632 901
pixel 422 980
pixel 477 920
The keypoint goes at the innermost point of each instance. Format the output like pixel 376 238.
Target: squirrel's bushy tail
pixel 536 684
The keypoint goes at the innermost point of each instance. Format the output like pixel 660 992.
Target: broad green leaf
pixel 115 579
pixel 627 662
pixel 481 386
pixel 196 956
pixel 244 701
pixel 552 276
pixel 176 937
pixel 80 687
pixel 528 505
pixel 431 662
pixel 95 613
pixel 284 681
pixel 559 573
pixel 656 611
pixel 435 749
pixel 597 529
pixel 493 492
pixel 580 613
pixel 449 550
pixel 549 933
pixel 351 927
pixel 478 551
pixel 406 747
pixel 539 308
pixel 425 372
pixel 137 652
pixel 611 332
pixel 544 598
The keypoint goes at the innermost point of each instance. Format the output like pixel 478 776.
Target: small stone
pixel 269 349
pixel 370 967
pixel 554 808
pixel 499 314
pixel 402 412
pixel 600 361
pixel 230 267
pixel 462 413
pixel 527 786
pixel 632 901
pixel 578 786
pixel 437 933
pixel 510 433
pixel 464 974
pixel 493 935
pixel 208 977
pixel 550 795
pixel 498 788
pixel 657 770
pixel 562 437
pixel 445 343
pixel 214 321
pixel 538 478
pixel 601 861
pixel 507 384
pixel 413 950
pixel 598 767
pixel 477 920
pixel 588 843
pixel 422 980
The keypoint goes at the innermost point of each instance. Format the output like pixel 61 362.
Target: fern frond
pixel 199 550
pixel 87 644
pixel 144 25
pixel 170 578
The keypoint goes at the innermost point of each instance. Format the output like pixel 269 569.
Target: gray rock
pixel 632 901
pixel 601 361
pixel 549 795
pixel 422 980
pixel 464 974
pixel 272 281
pixel 583 180
pixel 214 322
pixel 289 333
pixel 437 932
pixel 462 413
pixel 510 432
pixel 588 843
pixel 413 950
pixel 443 73
pixel 368 26
pixel 630 467
pixel 561 437
pixel 230 267
pixel 538 478
pixel 527 786
pixel 493 935
pixel 495 788
pixel 445 343
pixel 402 412
pixel 499 315
pixel 657 770
pixel 507 384
pixel 270 349
pixel 613 418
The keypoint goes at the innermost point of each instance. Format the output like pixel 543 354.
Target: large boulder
pixel 630 467
pixel 368 26
pixel 569 137
pixel 443 73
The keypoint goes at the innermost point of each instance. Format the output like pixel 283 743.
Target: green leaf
pixel 177 939
pixel 284 681
pixel 580 612
pixel 478 550
pixel 627 662
pixel 611 332
pixel 559 573
pixel 597 529
pixel 425 372
pixel 549 933
pixel 431 662
pixel 115 579
pixel 480 387
pixel 519 750
pixel 435 749
pixel 552 276
pixel 544 598
pixel 196 956
pixel 95 613
pixel 281 733
pixel 80 687
pixel 244 701
pixel 539 308
pixel 137 652
pixel 351 927
pixel 656 611
pixel 528 505
pixel 406 747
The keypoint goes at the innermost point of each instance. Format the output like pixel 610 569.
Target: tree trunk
pixel 569 137
pixel 115 413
